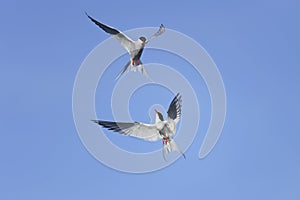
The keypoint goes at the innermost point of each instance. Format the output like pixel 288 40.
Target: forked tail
pixel 140 68
pixel 123 70
pixel 170 146
pixel 143 71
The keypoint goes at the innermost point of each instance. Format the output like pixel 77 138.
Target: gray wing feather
pixel 106 28
pixel 125 41
pixel 160 31
pixel 135 129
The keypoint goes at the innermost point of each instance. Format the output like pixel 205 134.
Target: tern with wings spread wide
pixel 134 48
pixel 162 129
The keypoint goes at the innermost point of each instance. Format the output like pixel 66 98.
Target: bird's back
pixel 168 129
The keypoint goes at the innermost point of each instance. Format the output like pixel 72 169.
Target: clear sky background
pixel 255 45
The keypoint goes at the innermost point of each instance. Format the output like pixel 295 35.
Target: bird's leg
pixel 132 67
pixel 165 140
pixel 139 62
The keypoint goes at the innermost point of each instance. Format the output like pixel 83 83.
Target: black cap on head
pixel 143 39
pixel 160 116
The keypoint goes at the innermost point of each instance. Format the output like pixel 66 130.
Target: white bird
pixel 162 129
pixel 134 48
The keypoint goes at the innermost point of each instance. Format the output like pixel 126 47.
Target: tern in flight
pixel 134 48
pixel 162 129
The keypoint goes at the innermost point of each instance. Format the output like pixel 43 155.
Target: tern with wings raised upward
pixel 134 48
pixel 162 129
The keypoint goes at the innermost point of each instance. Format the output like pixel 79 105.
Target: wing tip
pixel 162 27
pixel 178 96
pixel 88 15
pixel 95 121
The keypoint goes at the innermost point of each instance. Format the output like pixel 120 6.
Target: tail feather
pixel 123 70
pixel 143 71
pixel 140 68
pixel 171 146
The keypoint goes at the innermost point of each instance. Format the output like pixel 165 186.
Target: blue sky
pixel 255 46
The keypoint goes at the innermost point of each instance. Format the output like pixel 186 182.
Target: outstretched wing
pixel 143 131
pixel 125 41
pixel 174 111
pixel 160 31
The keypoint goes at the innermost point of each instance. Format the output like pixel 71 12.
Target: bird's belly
pixel 166 131
pixel 136 54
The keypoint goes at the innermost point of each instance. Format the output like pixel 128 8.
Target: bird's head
pixel 158 116
pixel 143 40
